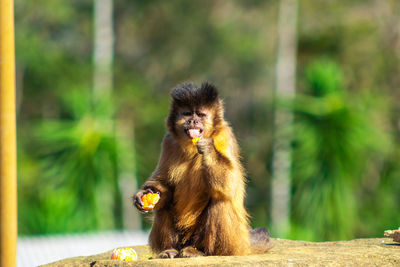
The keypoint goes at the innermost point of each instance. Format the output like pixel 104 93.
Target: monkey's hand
pixel 204 145
pixel 138 202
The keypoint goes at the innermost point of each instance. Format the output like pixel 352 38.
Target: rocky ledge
pixel 358 252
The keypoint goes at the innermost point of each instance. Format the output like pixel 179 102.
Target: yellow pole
pixel 8 165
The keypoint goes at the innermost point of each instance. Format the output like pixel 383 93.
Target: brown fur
pixel 201 194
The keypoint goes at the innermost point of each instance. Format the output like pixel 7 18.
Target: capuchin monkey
pixel 201 185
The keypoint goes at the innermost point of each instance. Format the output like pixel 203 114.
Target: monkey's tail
pixel 259 240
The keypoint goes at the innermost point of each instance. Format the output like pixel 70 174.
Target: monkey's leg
pixel 163 237
pixel 222 231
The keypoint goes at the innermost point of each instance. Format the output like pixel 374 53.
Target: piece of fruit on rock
pixel 124 254
pixel 395 234
pixel 150 200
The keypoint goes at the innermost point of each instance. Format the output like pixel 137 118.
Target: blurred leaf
pixel 334 143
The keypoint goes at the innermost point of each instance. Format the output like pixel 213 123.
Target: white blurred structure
pixel 283 133
pixel 34 251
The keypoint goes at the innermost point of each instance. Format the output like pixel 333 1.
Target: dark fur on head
pixel 191 96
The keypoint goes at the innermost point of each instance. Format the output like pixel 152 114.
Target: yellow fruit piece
pixel 150 200
pixel 195 140
pixel 124 254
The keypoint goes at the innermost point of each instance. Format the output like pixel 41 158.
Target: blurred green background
pixel 80 158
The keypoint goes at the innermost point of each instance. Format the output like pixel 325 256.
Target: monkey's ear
pixel 209 92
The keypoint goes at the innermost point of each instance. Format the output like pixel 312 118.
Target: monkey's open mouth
pixel 194 132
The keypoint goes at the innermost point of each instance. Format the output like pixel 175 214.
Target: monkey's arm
pixel 156 184
pixel 221 163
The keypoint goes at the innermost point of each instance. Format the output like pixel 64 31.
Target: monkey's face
pixel 193 122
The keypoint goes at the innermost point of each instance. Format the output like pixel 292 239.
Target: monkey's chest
pixel 190 197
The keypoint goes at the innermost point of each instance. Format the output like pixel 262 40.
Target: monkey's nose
pixel 194 122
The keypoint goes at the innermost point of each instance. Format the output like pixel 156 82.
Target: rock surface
pixel 358 252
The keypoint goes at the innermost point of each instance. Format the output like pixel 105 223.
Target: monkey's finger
pixel 201 148
pixel 149 190
pixel 138 201
pixel 139 206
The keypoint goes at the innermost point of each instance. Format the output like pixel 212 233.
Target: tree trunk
pixel 285 88
pixel 125 180
pixel 103 49
pixel 127 170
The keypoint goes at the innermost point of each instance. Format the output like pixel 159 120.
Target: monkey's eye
pixel 187 113
pixel 201 114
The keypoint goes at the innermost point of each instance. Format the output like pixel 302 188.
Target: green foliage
pixel 324 77
pixel 78 187
pixel 334 144
pixel 345 168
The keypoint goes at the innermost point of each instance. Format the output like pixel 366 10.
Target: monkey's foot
pixel 168 254
pixel 189 252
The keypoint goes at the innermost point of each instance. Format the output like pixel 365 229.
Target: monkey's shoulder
pixel 225 142
pixel 168 138
pixel 169 145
